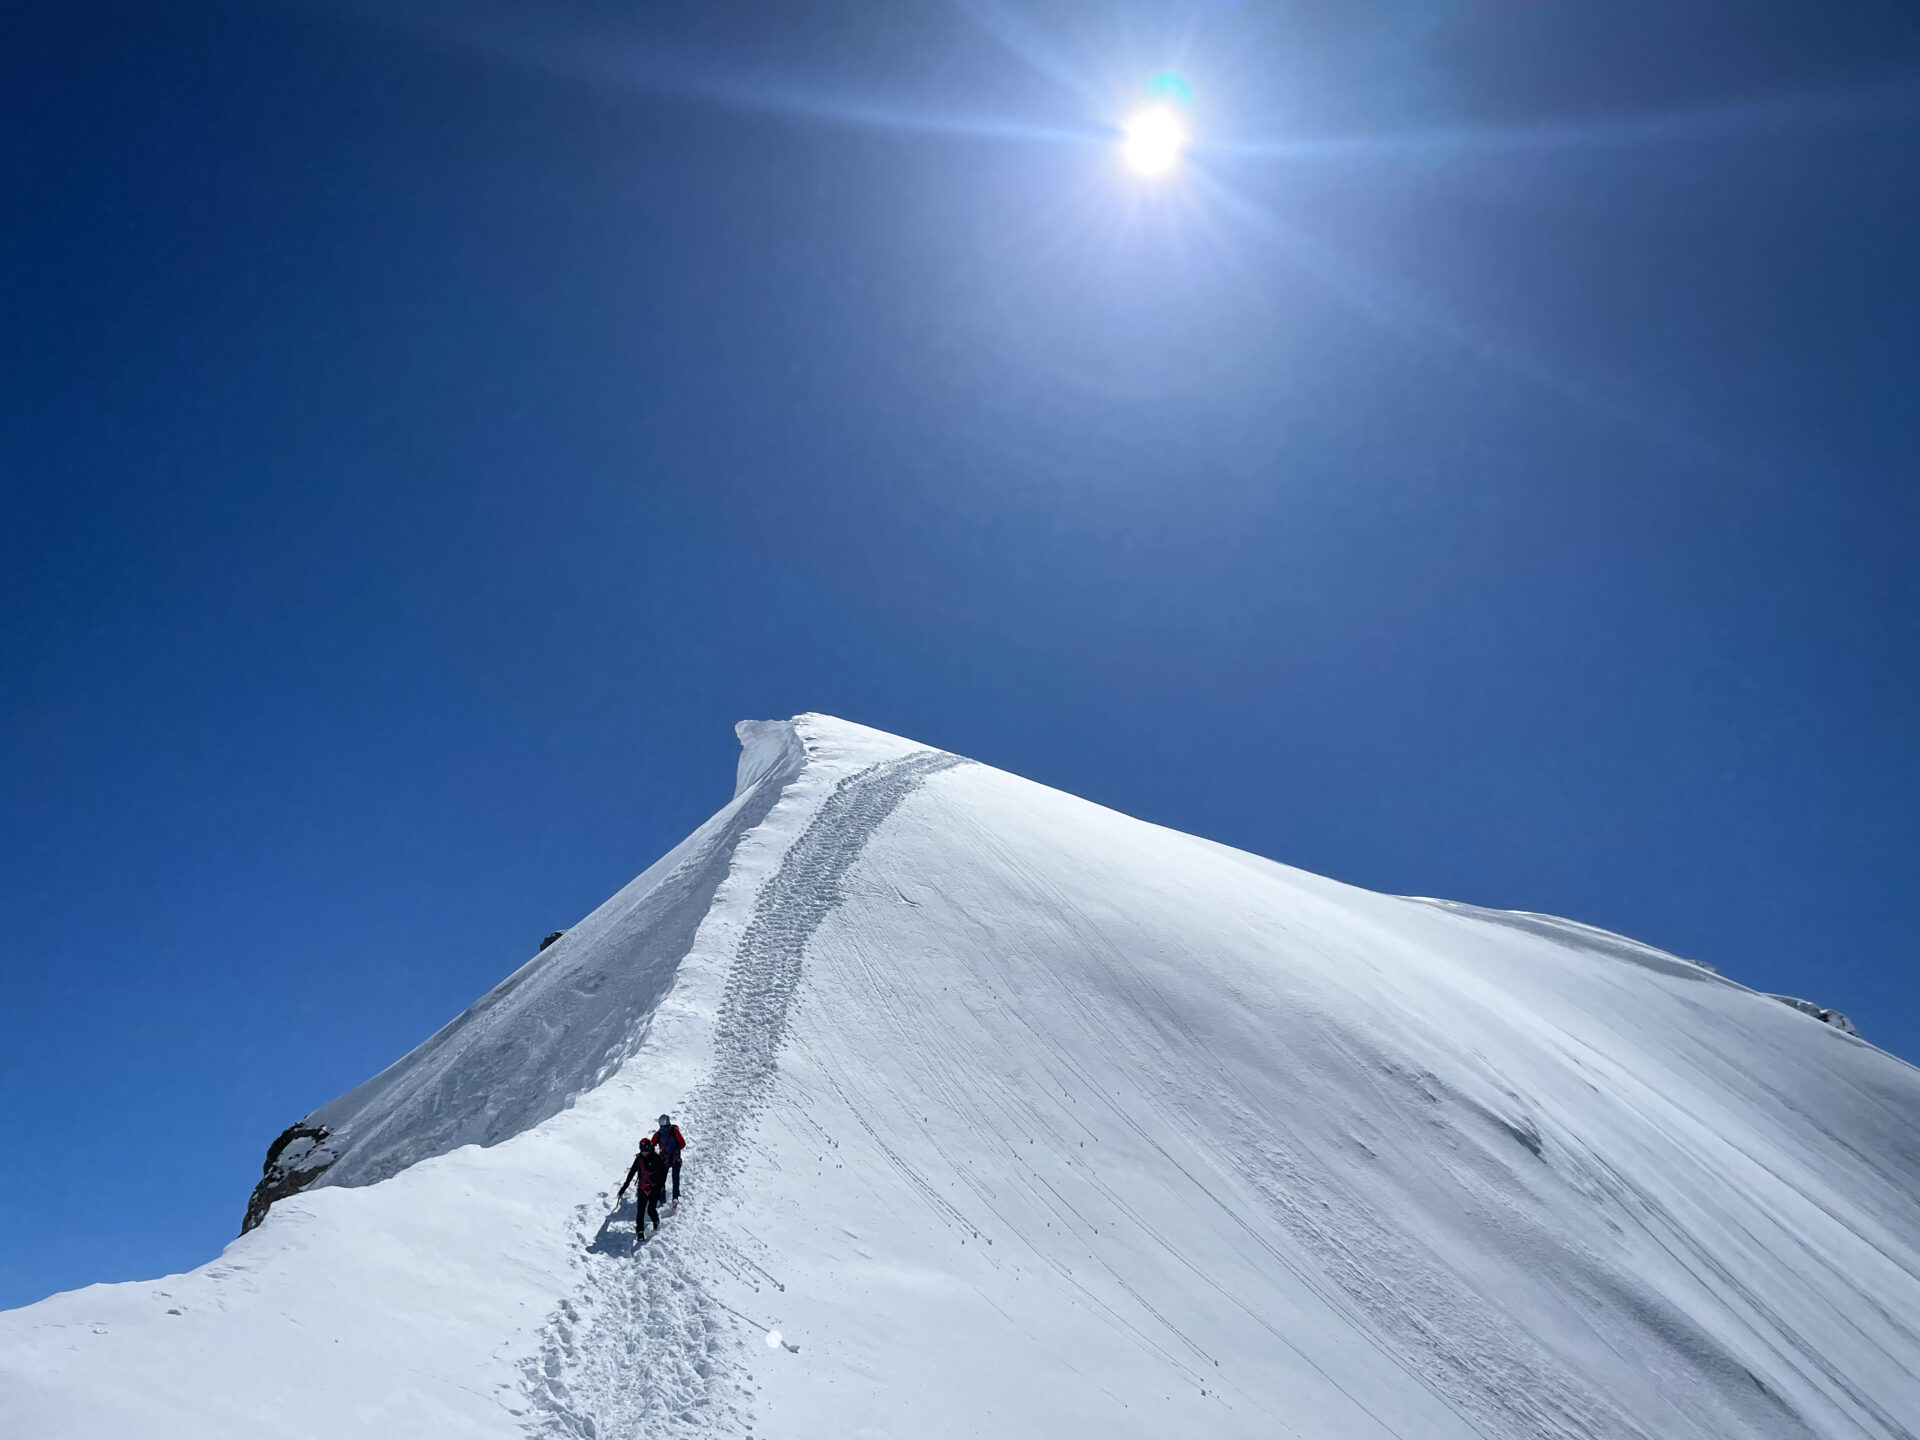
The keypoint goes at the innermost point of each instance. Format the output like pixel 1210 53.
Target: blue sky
pixel 1486 470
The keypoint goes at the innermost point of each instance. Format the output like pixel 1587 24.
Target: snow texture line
pixel 643 1348
pixel 807 887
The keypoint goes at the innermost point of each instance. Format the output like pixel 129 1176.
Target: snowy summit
pixel 1007 1114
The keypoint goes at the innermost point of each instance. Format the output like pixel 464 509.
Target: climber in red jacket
pixel 646 1175
pixel 670 1143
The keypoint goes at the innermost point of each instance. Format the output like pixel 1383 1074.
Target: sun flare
pixel 1153 140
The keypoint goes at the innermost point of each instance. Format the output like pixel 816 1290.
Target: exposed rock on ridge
pixel 1826 1017
pixel 294 1161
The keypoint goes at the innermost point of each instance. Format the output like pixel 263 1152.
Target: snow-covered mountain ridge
pixel 1012 1113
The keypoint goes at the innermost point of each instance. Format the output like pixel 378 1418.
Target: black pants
pixel 648 1203
pixel 674 1166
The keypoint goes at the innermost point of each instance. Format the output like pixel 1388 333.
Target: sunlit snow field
pixel 1012 1115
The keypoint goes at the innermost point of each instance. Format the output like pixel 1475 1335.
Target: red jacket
pixel 671 1143
pixel 646 1170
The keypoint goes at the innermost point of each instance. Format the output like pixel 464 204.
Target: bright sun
pixel 1154 139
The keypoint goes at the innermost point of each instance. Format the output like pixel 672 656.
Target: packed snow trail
pixel 642 1350
pixel 1012 1114
pixel 766 969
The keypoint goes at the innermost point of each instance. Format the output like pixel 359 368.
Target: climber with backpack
pixel 646 1175
pixel 670 1143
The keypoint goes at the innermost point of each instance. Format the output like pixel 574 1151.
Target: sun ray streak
pixel 1836 109
pixel 1025 41
pixel 654 68
pixel 1402 308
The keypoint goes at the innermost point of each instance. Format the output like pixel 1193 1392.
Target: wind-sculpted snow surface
pixel 1012 1115
pixel 555 1028
pixel 642 1350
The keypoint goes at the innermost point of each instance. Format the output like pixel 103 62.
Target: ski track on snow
pixel 642 1347
pixel 1498 1380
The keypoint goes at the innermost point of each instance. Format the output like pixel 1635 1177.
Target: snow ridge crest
pixel 557 1027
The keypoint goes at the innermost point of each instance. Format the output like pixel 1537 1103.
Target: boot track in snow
pixel 642 1347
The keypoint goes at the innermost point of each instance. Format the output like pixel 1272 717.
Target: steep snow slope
pixel 1010 1113
pixel 561 1024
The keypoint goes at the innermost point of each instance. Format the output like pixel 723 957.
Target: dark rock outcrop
pixel 551 938
pixel 1826 1017
pixel 293 1161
